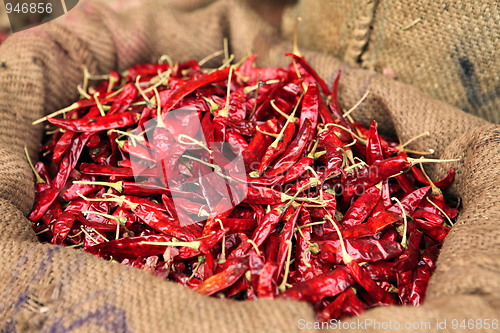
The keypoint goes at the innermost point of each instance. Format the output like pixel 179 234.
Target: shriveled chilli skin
pixel 298 169
pixel 427 206
pixel 405 183
pixel 239 225
pixel 127 97
pixel 373 145
pixel 241 284
pixel 376 173
pixel 226 278
pixel 242 249
pixel 269 222
pixel 208 190
pixel 269 155
pixel 101 227
pixel 267 287
pixel 362 207
pixel 286 98
pixel 146 190
pixel 43 201
pixel 271 245
pixel 372 226
pixel 381 271
pixel 67 165
pixel 347 301
pixel 293 152
pixel 104 123
pixel 163 223
pixel 61 146
pixel 257 147
pixel 410 202
pixel 286 235
pixel 404 286
pixel 409 260
pixel 442 184
pixel 44 174
pixel 70 160
pixel 377 294
pixel 184 90
pixel 237 143
pixel 222 209
pixel 179 214
pixel 108 170
pixel 332 144
pixel 419 285
pixel 329 284
pixel 310 109
pixel 430 217
pixel 163 142
pixel 256 264
pixel 437 232
pixel 259 195
pixel 361 250
pixel 145 70
pixel 302 244
pixel 82 189
pixel 302 61
pixel 62 227
pixel 138 151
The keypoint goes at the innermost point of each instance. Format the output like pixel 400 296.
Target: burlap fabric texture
pixel 46 288
pixel 448 49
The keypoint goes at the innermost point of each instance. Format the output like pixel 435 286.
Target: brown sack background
pixel 451 53
pixel 45 288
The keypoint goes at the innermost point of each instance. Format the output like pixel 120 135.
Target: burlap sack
pixel 447 49
pixel 46 288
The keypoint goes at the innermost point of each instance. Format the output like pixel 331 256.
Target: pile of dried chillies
pixel 333 213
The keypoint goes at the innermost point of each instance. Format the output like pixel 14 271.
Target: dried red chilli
pixel 170 195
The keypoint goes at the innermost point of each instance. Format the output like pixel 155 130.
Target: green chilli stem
pixel 39 180
pixel 404 241
pixel 195 245
pixel 282 286
pixel 345 256
pixel 363 141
